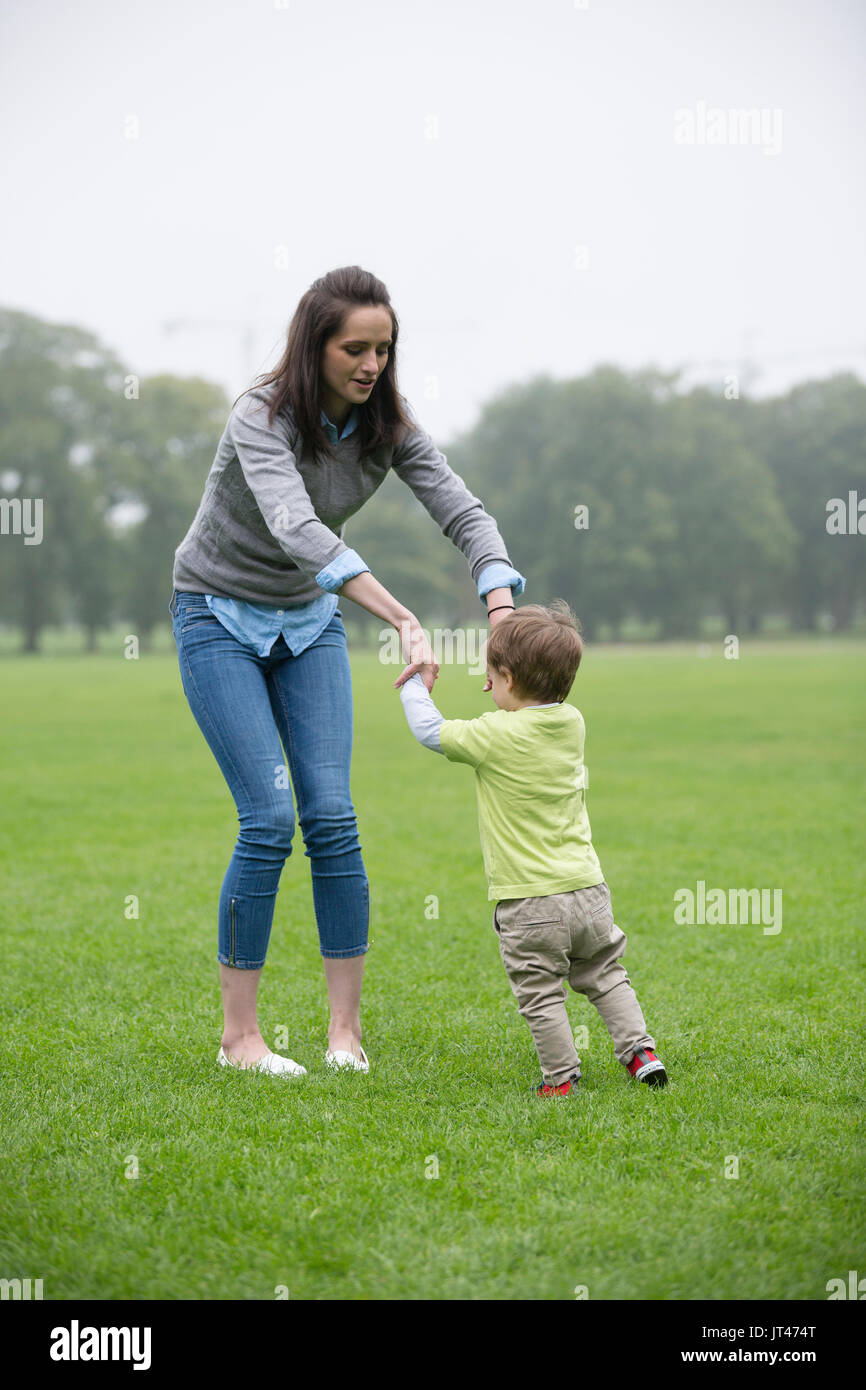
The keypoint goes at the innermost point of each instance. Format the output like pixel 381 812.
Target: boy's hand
pixel 428 671
pixel 418 654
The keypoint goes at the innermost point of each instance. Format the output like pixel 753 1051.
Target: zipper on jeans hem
pixel 232 953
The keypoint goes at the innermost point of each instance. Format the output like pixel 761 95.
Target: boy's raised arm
pixel 423 716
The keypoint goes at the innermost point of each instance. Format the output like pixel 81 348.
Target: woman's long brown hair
pixel 321 312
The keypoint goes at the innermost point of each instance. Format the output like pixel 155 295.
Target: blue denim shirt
pixel 259 624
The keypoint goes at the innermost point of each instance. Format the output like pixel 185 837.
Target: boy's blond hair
pixel 540 645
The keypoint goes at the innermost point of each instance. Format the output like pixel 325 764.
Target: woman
pixel 261 641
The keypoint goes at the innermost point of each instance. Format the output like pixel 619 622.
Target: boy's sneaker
pixel 645 1066
pixel 565 1088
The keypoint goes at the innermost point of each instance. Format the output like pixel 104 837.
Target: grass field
pixel 744 773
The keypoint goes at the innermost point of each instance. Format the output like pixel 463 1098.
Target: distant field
pixel 740 774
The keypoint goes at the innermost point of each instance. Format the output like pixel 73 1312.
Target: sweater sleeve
pixel 457 511
pixel 269 467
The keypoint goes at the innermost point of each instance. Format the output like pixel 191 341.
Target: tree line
pixel 623 493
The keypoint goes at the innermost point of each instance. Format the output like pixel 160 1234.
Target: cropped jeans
pixel 250 709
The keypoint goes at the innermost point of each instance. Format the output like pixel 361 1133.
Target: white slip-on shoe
pixel 273 1064
pixel 337 1060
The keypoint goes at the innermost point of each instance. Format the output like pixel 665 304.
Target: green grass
pixel 741 773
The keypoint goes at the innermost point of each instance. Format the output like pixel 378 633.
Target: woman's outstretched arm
pixel 368 593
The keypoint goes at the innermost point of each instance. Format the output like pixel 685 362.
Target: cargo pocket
pixel 536 935
pixel 602 927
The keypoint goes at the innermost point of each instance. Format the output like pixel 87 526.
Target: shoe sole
pixel 652 1074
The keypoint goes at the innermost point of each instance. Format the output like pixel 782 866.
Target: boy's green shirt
pixel 530 782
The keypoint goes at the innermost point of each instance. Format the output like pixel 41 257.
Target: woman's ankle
pixel 236 1041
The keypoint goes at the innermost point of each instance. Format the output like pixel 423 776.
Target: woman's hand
pixel 369 594
pixel 418 654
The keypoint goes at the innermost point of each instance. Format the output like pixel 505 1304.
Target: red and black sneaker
pixel 565 1088
pixel 645 1066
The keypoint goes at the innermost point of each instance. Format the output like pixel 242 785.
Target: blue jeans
pixel 245 704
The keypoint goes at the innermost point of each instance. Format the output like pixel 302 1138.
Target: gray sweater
pixel 271 519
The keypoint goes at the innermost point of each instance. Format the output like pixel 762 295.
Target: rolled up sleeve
pixel 345 567
pixel 500 577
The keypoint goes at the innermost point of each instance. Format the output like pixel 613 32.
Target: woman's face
pixel 356 354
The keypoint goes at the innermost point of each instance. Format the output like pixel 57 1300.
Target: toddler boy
pixel 553 910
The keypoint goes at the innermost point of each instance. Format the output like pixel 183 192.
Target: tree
pixel 55 380
pixel 734 533
pixel 812 439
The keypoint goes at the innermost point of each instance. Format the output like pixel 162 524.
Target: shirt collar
pixel 350 425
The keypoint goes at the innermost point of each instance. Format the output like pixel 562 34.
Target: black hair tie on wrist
pixel 509 606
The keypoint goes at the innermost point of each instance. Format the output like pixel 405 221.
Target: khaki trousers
pixel 568 936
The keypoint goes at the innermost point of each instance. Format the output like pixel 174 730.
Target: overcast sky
pixel 534 182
